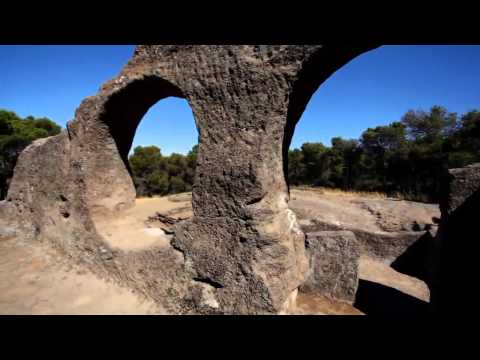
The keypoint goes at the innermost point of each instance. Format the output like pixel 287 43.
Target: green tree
pixel 6 127
pixel 409 156
pixel 145 160
pixel 296 167
pixel 155 174
pixel 176 165
pixel 16 134
pixel 464 144
pixel 191 165
pixel 382 146
pixel 314 161
pixel 429 127
pixel 384 138
pixel 146 165
pixel 177 185
pixel 158 182
pixel 343 158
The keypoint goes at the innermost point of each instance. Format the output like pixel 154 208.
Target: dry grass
pixel 339 192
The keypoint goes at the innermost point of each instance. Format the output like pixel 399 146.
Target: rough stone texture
pixel 7 229
pixel 397 216
pixel 243 240
pixel 458 186
pixel 453 260
pixel 385 246
pixel 334 260
pixel 384 227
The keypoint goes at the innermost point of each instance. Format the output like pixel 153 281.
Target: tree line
pixel 16 134
pixel 407 157
pixel 152 173
pixel 156 174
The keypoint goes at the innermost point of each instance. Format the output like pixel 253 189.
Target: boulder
pixel 334 260
pixel 382 245
pixel 457 186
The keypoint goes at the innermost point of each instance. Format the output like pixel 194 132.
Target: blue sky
pixel 374 89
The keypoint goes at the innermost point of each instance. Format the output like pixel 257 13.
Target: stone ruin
pixel 243 251
pixel 452 256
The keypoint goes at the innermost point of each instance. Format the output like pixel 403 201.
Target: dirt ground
pixel 34 279
pixel 130 232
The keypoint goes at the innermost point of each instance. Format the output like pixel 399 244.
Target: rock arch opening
pixel 163 156
pixel 315 71
pixel 385 227
pixel 377 89
pixel 131 211
pixel 113 188
pixel 243 251
pixel 125 109
pixel 244 241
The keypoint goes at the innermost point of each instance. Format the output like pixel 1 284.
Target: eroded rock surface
pixel 334 260
pixel 458 187
pixel 454 252
pixel 383 227
pixel 243 238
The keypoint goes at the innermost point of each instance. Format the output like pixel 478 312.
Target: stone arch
pixel 125 109
pixel 315 70
pixel 243 246
pixel 109 184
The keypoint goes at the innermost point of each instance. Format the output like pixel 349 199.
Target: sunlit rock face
pixel 242 252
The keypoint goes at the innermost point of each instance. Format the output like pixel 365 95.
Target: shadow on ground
pixel 376 299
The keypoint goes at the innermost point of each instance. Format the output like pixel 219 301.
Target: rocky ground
pixel 35 279
pixel 373 213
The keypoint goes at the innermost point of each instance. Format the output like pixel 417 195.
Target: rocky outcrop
pixel 334 260
pixel 381 245
pixel 454 254
pixel 243 240
pixel 384 227
pixel 458 186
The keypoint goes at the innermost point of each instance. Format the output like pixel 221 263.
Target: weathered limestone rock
pixel 243 239
pixel 7 229
pixel 458 186
pixel 453 260
pixel 334 260
pixel 382 245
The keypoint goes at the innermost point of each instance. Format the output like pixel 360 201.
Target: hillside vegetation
pixel 406 158
pixel 16 134
pixel 155 174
